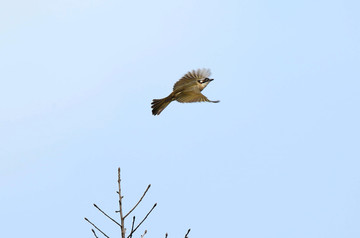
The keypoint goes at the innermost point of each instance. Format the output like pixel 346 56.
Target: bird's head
pixel 204 82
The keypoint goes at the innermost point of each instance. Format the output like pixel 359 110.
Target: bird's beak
pixel 211 80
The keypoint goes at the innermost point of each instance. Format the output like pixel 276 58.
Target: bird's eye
pixel 200 81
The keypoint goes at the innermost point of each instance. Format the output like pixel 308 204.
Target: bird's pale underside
pixel 187 89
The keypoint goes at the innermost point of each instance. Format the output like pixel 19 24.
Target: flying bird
pixel 187 89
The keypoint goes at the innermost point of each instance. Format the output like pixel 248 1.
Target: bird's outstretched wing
pixel 193 97
pixel 191 77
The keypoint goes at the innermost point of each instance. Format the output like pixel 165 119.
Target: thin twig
pixel 138 201
pixel 142 236
pixel 166 234
pixel 94 233
pixel 142 220
pixel 132 227
pixel 187 233
pixel 120 207
pixel 96 227
pixel 117 223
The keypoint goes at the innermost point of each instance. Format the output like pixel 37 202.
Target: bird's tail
pixel 158 105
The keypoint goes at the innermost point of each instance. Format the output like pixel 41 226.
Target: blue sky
pixel 277 157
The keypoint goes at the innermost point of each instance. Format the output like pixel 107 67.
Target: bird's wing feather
pixel 192 76
pixel 192 97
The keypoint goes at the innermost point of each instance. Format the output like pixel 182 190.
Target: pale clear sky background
pixel 279 156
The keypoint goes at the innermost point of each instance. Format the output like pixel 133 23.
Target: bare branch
pixel 96 227
pixel 187 233
pixel 143 220
pixel 132 227
pixel 94 233
pixel 138 201
pixel 121 224
pixel 117 223
pixel 120 207
pixel 142 236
